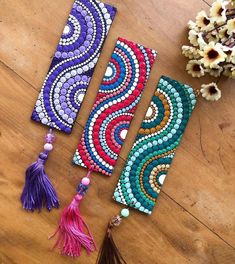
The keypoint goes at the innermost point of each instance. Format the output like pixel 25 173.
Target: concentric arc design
pixel 154 148
pixel 110 117
pixel 73 64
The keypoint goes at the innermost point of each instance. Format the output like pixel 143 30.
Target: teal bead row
pixel 152 153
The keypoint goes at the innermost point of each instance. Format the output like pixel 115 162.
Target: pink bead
pixel 85 181
pixel 78 197
pixel 48 147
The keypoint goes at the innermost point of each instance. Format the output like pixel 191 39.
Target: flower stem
pixel 215 28
pixel 224 42
pixel 206 3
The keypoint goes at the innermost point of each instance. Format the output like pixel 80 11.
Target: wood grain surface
pixel 194 219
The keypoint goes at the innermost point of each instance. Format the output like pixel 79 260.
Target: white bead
pixel 48 147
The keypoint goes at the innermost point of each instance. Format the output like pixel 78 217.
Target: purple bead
pixel 62 98
pixel 89 37
pixel 84 12
pixel 79 8
pixel 67 111
pixel 90 30
pixel 87 18
pixel 63 91
pixel 86 43
pixel 71 81
pixel 89 24
pixel 58 54
pixel 76 52
pixel 78 78
pixel 84 78
pixel 70 54
pixel 64 105
pixel 66 85
pixel 68 130
pixel 50 137
pixel 72 115
pixel 82 48
pixel 64 55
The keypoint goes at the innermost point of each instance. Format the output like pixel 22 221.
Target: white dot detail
pixel 66 30
pixel 80 97
pixel 123 133
pixel 109 72
pixel 149 112
pixel 161 179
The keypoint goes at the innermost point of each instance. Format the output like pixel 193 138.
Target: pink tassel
pixel 73 232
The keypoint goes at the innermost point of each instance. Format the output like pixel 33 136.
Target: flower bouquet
pixel 213 46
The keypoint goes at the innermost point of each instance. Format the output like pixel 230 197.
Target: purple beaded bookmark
pixel 63 90
pixel 73 64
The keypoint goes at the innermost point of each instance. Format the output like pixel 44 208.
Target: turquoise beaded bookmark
pixel 155 145
pixel 150 158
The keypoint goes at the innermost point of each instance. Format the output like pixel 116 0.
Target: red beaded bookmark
pixel 111 115
pixel 105 132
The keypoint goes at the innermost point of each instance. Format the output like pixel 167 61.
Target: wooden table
pixel 194 219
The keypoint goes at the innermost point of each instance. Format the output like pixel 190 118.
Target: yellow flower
pixel 192 36
pixel 203 21
pixel 195 68
pixel 210 91
pixel 212 54
pixel 215 71
pixel 231 26
pixel 218 11
pixel 190 52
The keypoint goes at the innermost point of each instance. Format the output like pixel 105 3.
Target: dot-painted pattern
pixel 154 148
pixel 110 117
pixel 73 64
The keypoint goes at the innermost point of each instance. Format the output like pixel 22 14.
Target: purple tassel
pixel 38 190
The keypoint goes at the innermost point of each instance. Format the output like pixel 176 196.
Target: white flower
pixel 230 52
pixel 192 25
pixel 233 72
pixel 232 57
pixel 210 91
pixel 223 34
pixel 213 36
pixel 231 26
pixel 218 11
pixel 192 36
pixel 195 68
pixel 203 21
pixel 201 41
pixel 229 71
pixel 190 52
pixel 215 71
pixel 212 54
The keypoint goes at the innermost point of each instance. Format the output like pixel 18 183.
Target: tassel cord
pixel 38 190
pixel 73 233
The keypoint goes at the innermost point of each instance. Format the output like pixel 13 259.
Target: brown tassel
pixel 109 253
